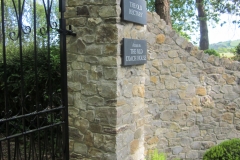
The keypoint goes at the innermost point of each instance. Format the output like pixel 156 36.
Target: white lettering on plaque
pixel 135 8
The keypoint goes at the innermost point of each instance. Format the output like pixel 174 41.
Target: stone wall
pixel 130 100
pixel 192 99
pixel 92 75
pixel 181 102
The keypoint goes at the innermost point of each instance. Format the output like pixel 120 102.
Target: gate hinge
pixel 67 32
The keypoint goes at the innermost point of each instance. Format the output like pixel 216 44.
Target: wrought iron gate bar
pixel 31 131
pixel 4 55
pixel 4 74
pixel 62 9
pixel 35 58
pixel 31 114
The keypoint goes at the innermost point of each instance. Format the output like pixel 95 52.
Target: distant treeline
pixel 223 47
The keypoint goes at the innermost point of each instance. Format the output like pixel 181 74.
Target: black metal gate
pixel 33 80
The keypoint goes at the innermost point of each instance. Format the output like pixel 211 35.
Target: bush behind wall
pixel 28 84
pixel 227 150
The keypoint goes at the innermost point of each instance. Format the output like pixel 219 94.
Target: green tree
pixel 29 33
pixel 189 16
pixel 202 18
pixel 19 17
pixel 162 8
pixel 151 5
pixel 238 49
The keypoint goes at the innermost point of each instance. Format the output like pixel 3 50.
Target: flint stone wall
pixel 181 102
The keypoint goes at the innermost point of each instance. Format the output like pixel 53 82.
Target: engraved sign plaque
pixel 134 11
pixel 134 52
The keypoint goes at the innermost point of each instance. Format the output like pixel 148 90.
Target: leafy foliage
pixel 186 21
pixel 151 5
pixel 12 21
pixel 238 49
pixel 157 156
pixel 229 7
pixel 237 53
pixel 227 150
pixel 29 79
pixel 212 52
pixel 24 74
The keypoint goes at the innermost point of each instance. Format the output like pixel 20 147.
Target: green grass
pixel 227 55
pixel 155 155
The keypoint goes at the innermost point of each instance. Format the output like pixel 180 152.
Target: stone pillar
pixel 181 102
pixel 130 99
pixel 106 100
pixel 92 78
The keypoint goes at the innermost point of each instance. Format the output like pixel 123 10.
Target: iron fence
pixel 33 80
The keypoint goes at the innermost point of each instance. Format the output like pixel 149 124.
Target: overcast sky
pixel 227 32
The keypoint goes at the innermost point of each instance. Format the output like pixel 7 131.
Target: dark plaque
pixel 134 52
pixel 134 11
